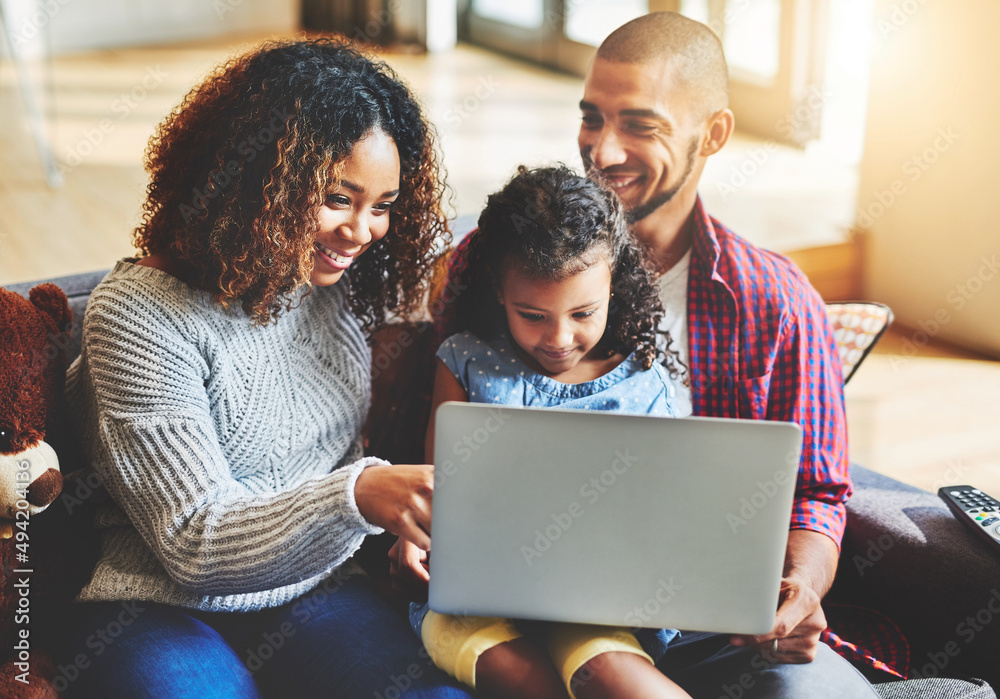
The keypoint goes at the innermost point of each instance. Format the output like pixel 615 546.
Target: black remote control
pixel 976 510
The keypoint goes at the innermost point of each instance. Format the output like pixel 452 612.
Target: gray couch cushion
pixel 905 554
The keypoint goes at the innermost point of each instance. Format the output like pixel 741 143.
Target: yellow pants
pixel 456 642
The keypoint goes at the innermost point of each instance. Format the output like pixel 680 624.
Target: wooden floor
pixel 927 415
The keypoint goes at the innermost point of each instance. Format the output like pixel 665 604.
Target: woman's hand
pixel 398 498
pixel 409 569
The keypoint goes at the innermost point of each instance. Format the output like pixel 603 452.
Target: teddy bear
pixel 33 346
pixel 34 342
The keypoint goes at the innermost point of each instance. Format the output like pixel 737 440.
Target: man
pixel 747 336
pixel 750 330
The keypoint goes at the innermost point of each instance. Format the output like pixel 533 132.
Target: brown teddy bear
pixel 34 339
pixel 33 346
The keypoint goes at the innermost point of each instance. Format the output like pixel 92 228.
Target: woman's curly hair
pixel 551 223
pixel 240 170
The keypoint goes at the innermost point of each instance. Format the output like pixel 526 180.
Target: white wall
pixel 929 177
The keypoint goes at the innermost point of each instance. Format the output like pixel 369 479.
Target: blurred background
pixel 866 149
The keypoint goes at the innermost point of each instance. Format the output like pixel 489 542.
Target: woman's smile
pixel 334 259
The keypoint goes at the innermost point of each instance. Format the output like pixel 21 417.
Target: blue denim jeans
pixel 707 667
pixel 345 642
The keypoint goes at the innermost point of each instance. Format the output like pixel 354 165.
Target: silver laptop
pixel 593 517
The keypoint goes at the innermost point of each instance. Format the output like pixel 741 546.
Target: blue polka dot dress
pixel 491 372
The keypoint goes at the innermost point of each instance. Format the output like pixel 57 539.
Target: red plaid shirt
pixel 760 347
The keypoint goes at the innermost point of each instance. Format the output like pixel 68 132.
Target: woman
pixel 294 201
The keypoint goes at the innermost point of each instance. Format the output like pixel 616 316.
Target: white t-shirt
pixel 673 287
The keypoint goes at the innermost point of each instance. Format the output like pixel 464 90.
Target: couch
pixel 904 556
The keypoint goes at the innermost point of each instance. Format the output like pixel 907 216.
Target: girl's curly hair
pixel 240 170
pixel 551 223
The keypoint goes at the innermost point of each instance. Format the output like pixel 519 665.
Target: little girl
pixel 559 310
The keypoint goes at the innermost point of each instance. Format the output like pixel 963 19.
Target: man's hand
pixel 810 565
pixel 409 569
pixel 798 624
pixel 398 499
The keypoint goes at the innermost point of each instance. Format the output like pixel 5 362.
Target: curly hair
pixel 551 223
pixel 239 171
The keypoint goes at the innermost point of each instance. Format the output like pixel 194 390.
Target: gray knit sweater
pixel 230 450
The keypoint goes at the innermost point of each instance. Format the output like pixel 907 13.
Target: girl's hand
pixel 397 498
pixel 409 569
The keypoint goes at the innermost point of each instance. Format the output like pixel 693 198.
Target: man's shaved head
pixel 687 47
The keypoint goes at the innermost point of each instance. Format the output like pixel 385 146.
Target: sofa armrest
pixel 936 689
pixel 906 555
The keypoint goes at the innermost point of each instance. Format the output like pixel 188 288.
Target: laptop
pixel 601 518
